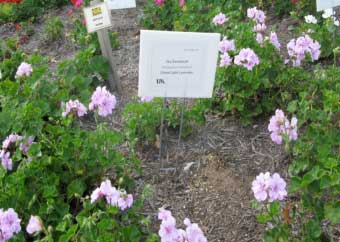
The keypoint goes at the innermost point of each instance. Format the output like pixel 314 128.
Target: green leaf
pixel 76 187
pixel 332 212
pixel 274 208
pixel 313 229
pixel 69 235
pixel 263 218
pixel 295 184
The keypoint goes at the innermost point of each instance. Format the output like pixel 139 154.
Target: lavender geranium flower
pixel 74 107
pixel 297 49
pixel 194 232
pixel 247 58
pixel 146 99
pixel 24 146
pixel 6 160
pixel 220 19
pixel 260 28
pixel 24 69
pixel 12 138
pixel 267 186
pixel 277 188
pixel 9 224
pixel 274 40
pixel 227 45
pixel 259 38
pixel 113 196
pixel 34 225
pixel 125 201
pixel 257 15
pixel 226 60
pixel 279 126
pixel 260 186
pixel 103 100
pixel 168 231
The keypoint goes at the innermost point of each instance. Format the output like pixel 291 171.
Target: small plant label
pixel 120 4
pixel 177 64
pixel 97 17
pixel 324 4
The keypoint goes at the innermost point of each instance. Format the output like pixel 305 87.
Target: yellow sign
pixel 96 11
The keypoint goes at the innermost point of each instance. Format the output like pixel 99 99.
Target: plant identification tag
pixel 325 4
pixel 97 17
pixel 177 64
pixel 120 4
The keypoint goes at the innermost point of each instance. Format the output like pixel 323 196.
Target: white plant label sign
pixel 97 17
pixel 120 4
pixel 177 64
pixel 324 4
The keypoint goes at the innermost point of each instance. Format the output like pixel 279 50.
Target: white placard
pixel 97 17
pixel 324 4
pixel 177 64
pixel 120 4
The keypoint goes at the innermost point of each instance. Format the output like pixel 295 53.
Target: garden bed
pixel 208 175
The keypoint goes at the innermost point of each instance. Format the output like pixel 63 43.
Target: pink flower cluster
pixel 5 155
pixel 146 99
pixel 280 127
pixel 224 47
pixel 257 15
pixel 24 69
pixel 298 48
pixel 220 19
pixel 161 2
pixel 113 196
pixel 34 225
pixel 75 107
pixel 9 224
pixel 247 58
pixel 103 100
pixel 267 186
pixel 169 232
pixel 274 40
pixel 260 28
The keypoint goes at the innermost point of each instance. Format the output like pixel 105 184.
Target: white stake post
pixel 106 49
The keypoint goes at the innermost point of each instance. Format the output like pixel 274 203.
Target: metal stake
pixel 161 133
pixel 182 121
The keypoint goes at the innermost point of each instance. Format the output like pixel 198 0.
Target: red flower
pixel 77 3
pixel 10 1
pixel 17 27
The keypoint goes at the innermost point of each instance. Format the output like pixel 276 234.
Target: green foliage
pixel 66 161
pixel 83 39
pixel 27 9
pixel 143 119
pixel 54 28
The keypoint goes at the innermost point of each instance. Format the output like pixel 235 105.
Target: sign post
pixel 177 65
pixel 98 19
